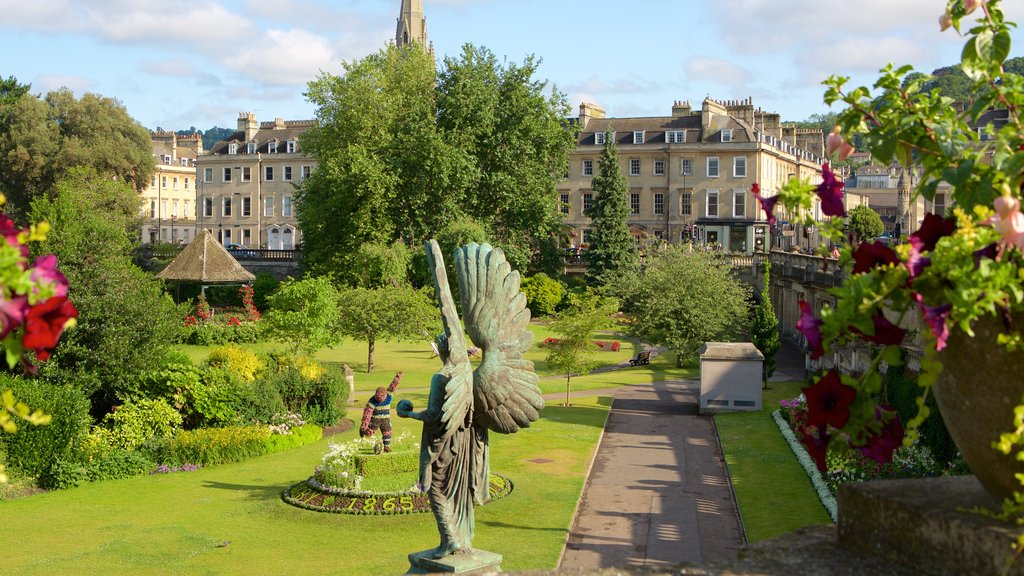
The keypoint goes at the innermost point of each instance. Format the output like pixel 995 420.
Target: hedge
pixel 34 449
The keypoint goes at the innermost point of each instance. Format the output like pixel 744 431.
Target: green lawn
pixel 774 494
pixel 173 524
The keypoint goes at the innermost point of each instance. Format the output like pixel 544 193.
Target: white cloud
pixel 283 58
pixel 704 69
pixel 46 82
pixel 175 67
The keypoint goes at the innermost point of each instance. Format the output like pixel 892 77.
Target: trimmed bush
pixel 135 423
pixel 259 401
pixel 241 362
pixel 902 392
pixel 211 446
pixel 34 449
pixel 386 464
pixel 115 464
pixel 542 294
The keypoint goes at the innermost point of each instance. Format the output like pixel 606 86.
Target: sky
pixel 179 64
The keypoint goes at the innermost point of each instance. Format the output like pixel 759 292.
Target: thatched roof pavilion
pixel 205 261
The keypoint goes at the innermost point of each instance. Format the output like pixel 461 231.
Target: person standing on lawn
pixel 377 414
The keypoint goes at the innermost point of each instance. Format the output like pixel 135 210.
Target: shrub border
pixel 824 494
pixel 361 495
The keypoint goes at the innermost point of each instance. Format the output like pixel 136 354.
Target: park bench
pixel 642 359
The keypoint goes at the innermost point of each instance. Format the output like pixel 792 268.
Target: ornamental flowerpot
pixel 980 385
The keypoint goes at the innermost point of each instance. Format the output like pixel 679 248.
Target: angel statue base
pixel 501 395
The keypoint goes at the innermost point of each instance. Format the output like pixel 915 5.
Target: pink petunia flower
pixel 886 333
pixel 767 204
pixel 935 317
pixel 881 446
pixel 868 256
pixel 44 272
pixel 12 314
pixel 831 193
pixel 810 327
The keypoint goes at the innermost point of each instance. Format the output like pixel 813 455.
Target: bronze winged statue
pixel 464 404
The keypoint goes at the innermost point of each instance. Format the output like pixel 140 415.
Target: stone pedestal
pixel 476 562
pixel 927 524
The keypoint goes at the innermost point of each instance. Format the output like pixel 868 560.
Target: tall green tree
pixel 764 328
pixel 404 151
pixel 512 126
pixel 126 322
pixel 612 250
pixel 684 298
pixel 575 327
pixel 42 140
pixel 865 223
pixel 384 172
pixel 372 314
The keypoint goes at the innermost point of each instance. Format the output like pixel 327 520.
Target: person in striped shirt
pixel 377 414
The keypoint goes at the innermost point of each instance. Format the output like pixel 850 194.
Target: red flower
pixel 810 327
pixel 932 228
pixel 868 256
pixel 45 323
pixel 881 446
pixel 817 445
pixel 886 333
pixel 831 193
pixel 767 204
pixel 829 401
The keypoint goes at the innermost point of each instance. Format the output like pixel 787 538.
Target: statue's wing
pixel 458 396
pixel 505 391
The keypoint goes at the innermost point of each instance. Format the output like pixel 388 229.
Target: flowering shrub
pixel 239 361
pixel 165 469
pixel 283 423
pixel 951 271
pixel 249 303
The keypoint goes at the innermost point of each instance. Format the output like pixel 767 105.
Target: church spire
pixel 412 25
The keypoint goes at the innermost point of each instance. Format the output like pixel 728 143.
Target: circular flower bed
pixel 312 495
pixel 356 478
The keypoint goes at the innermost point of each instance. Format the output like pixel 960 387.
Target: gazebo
pixel 205 261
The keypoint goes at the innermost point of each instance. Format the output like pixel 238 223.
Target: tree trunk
pixel 567 376
pixel 369 355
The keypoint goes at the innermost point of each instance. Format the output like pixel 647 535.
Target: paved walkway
pixel 659 492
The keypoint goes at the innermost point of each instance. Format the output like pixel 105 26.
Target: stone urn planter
pixel 980 385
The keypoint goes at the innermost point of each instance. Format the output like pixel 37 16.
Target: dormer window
pixel 599 138
pixel 167 159
pixel 233 148
pixel 250 148
pixel 272 147
pixel 290 145
pixel 638 137
pixel 184 161
pixel 675 136
pixel 727 135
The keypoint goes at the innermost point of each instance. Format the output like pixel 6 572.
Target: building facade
pixel 690 174
pixel 246 184
pixel 169 202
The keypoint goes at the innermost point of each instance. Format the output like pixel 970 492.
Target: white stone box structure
pixel 730 377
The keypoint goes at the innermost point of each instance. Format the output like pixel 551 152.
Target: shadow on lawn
pixel 255 491
pixel 555 412
pixel 494 524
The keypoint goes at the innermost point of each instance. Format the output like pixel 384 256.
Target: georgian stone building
pixel 690 174
pixel 246 184
pixel 169 202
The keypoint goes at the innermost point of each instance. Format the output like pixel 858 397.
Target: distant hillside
pixel 210 136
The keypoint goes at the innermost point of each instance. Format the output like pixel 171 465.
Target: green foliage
pixel 382 265
pixel 319 393
pixel 260 400
pixel 612 250
pixel 263 287
pixel 211 446
pixel 575 327
pixel 404 150
pixel 35 448
pixel 900 391
pixel 304 313
pixel 684 298
pixel 125 322
pixel 43 140
pixel 543 294
pixel 241 362
pixel 764 327
pixel 401 313
pixel 865 223
pixel 115 464
pixel 137 422
pixel 219 332
pixel 387 464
